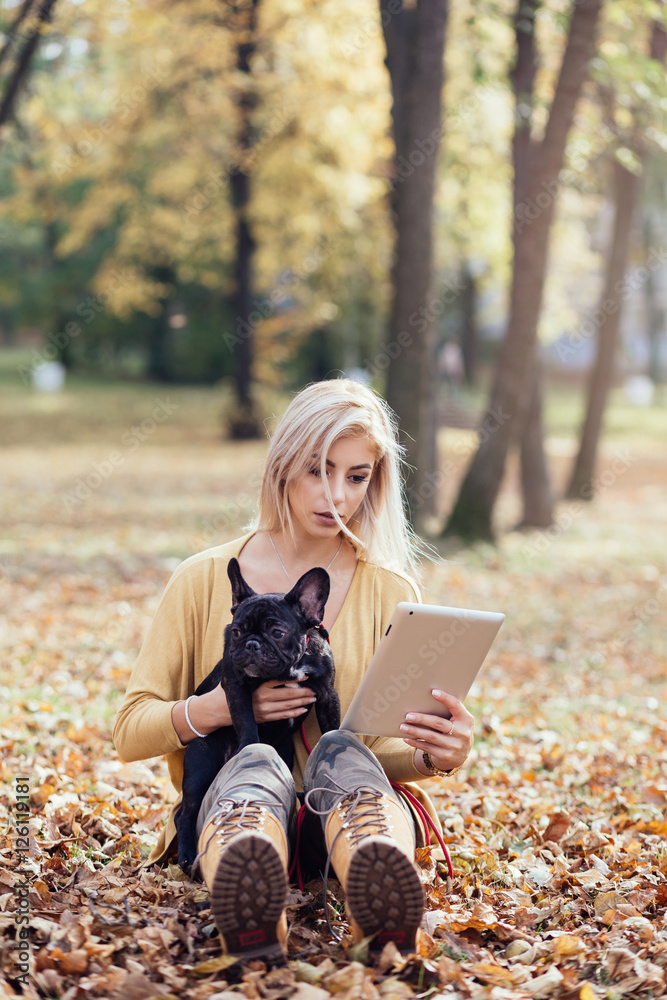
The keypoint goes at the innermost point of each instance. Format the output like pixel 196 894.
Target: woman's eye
pixel 358 479
pixel 277 633
pixel 315 472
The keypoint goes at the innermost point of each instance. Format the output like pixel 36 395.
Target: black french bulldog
pixel 270 637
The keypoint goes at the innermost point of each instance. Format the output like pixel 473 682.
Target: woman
pixel 330 496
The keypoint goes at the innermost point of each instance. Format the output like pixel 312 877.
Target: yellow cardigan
pixel 185 641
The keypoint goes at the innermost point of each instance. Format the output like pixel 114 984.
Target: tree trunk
pixel 244 422
pixel 535 483
pixel 473 510
pixel 626 189
pixel 655 320
pixel 22 67
pixel 158 365
pixel 535 487
pixel 581 482
pixel 654 305
pixel 469 338
pixel 415 39
pixel 11 32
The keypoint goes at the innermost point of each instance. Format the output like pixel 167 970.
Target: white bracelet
pixel 187 718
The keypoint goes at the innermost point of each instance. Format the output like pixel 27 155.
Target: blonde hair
pixel 318 416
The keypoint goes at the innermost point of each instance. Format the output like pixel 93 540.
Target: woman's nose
pixel 336 485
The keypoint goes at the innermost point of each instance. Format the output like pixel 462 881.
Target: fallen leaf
pixel 547 983
pixel 557 827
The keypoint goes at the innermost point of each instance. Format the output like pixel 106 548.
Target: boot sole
pixel 248 897
pixel 385 896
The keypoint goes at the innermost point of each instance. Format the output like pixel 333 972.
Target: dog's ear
pixel 240 589
pixel 310 593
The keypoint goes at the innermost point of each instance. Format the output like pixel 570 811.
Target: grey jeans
pixel 338 765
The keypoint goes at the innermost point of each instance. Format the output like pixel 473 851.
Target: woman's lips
pixel 325 518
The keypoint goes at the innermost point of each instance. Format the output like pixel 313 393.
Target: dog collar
pixel 323 632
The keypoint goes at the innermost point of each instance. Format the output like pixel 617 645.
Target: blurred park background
pixel 464 204
pixel 205 205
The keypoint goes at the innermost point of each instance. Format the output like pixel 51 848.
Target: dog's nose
pixel 252 646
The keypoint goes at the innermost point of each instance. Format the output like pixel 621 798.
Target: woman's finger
pixel 277 692
pixel 418 722
pixel 448 741
pixel 455 707
pixel 272 702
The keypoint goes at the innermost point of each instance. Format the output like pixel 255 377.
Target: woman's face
pixel 350 464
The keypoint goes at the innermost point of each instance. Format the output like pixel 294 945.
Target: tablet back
pixel 425 647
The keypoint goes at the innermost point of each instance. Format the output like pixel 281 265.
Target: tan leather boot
pixel 243 858
pixel 371 846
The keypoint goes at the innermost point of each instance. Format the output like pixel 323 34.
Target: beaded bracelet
pixel 187 718
pixel 436 770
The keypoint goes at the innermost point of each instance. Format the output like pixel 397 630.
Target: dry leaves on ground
pixel 556 827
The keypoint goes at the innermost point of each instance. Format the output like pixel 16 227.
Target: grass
pixel 96 408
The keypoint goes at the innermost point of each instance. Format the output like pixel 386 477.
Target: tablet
pixel 425 646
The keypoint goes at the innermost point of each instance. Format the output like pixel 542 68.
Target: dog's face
pixel 267 636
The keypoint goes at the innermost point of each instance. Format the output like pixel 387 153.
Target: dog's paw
pixel 187 865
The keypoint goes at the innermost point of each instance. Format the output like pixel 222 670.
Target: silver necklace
pixel 283 564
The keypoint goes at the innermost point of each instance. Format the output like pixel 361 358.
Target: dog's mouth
pixel 252 670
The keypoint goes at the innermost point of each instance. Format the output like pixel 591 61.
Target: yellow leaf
pixel 42 794
pixel 494 974
pixel 567 945
pixel 586 993
pixel 607 901
pixel 214 965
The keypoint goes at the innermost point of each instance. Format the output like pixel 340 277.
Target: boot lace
pixel 360 810
pixel 230 819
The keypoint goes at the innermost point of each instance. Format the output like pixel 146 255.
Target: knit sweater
pixel 185 641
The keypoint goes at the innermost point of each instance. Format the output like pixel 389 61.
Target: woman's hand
pixel 272 700
pixel 210 711
pixel 447 741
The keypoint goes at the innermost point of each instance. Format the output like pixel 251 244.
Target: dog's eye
pixel 236 631
pixel 277 633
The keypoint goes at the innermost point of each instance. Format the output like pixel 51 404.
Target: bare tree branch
pixel 23 65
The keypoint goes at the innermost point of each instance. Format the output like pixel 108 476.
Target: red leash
pixel 427 822
pixel 296 860
pixel 421 811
